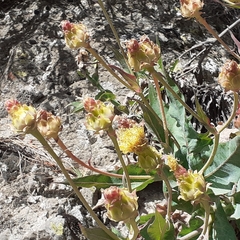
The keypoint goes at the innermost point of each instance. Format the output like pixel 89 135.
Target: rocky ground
pixel 38 69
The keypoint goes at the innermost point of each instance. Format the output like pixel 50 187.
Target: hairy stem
pixel 210 160
pixel 45 144
pixel 112 135
pixel 210 30
pixel 90 167
pixel 160 101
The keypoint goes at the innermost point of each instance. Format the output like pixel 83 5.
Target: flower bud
pixel 99 115
pixel 23 116
pixel 229 77
pixel 75 34
pixel 192 186
pixel 48 124
pixel 191 8
pixel 143 54
pixel 121 205
pixel 149 158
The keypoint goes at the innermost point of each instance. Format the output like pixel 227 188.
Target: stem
pixel 133 228
pixel 45 144
pixel 210 160
pixel 206 207
pixel 160 100
pixel 168 87
pixel 114 32
pixel 90 167
pixel 210 30
pixel 169 195
pixel 106 66
pixel 111 134
pixel 235 106
pixel 157 117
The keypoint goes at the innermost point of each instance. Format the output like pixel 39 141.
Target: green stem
pixel 111 134
pixel 210 30
pixel 210 160
pixel 206 207
pixel 169 194
pixel 90 167
pixel 168 87
pixel 106 66
pixel 45 144
pixel 235 106
pixel 114 32
pixel 160 100
pixel 134 230
pixel 157 117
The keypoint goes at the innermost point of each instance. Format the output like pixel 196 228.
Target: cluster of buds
pixel 191 184
pixel 229 77
pixel 26 119
pixel 23 116
pixel 121 205
pixel 131 139
pixel 142 55
pixel 99 115
pixel 191 8
pixel 48 124
pixel 76 35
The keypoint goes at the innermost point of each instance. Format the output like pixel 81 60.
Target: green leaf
pixel 158 228
pixel 204 118
pixel 77 106
pixel 102 181
pixel 105 95
pixel 222 229
pixel 95 233
pixel 225 170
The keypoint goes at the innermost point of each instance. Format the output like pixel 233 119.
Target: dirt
pixel 38 69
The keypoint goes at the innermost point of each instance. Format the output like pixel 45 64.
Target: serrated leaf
pixel 95 233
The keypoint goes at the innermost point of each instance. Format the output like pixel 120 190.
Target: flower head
pixel 99 115
pixel 191 8
pixel 143 54
pixel 23 116
pixel 131 139
pixel 121 205
pixel 191 184
pixel 75 34
pixel 48 124
pixel 229 77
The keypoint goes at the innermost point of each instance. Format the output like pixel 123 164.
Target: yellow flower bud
pixel 99 115
pixel 192 186
pixel 191 8
pixel 23 116
pixel 48 124
pixel 149 158
pixel 75 34
pixel 229 77
pixel 121 205
pixel 143 54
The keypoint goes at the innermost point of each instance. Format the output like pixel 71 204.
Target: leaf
pixel 204 118
pixel 222 229
pixel 102 181
pixel 158 228
pixel 225 170
pixel 77 106
pixel 95 233
pixel 105 95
